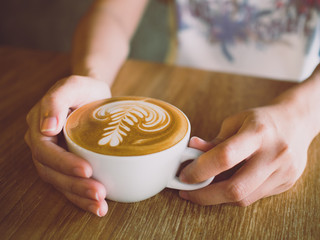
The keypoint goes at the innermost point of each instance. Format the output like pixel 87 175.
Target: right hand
pixel 68 173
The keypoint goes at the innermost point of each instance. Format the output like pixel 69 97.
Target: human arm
pixel 102 38
pixel 266 147
pixel 100 46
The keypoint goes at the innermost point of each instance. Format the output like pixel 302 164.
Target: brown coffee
pixel 127 126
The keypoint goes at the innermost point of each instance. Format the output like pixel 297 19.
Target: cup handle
pixel 175 183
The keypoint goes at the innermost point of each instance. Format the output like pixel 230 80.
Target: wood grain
pixel 32 209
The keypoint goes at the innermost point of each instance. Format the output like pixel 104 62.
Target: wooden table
pixel 32 209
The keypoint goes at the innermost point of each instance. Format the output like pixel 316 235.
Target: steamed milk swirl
pixel 127 126
pixel 125 115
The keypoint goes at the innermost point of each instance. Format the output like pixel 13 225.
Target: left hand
pixel 270 143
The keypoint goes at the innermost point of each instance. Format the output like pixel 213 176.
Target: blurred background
pixel 49 25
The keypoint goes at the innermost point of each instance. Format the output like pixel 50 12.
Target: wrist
pixel 97 67
pixel 301 105
pixel 85 71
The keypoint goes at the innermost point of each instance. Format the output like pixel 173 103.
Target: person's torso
pixel 268 38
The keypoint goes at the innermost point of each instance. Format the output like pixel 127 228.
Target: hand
pixel 67 172
pixel 267 146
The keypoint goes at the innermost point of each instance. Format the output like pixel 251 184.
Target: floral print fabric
pixel 239 35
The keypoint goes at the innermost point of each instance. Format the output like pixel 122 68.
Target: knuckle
pixel 58 84
pixel 262 129
pixel 294 171
pixel 28 118
pixel 284 157
pixel 44 175
pixel 71 187
pixel 56 95
pixel 58 164
pixel 197 173
pixel 26 138
pixel 196 176
pixel 199 199
pixel 244 202
pixel 289 184
pixel 43 172
pixel 36 154
pixel 74 80
pixel 290 167
pixel 29 115
pixel 284 148
pixel 236 192
pixel 53 93
pixel 201 202
pixel 48 99
pixel 227 122
pixel 225 154
pixel 260 122
pixel 296 168
pixel 39 159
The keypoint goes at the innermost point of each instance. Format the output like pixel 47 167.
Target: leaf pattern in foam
pixel 123 115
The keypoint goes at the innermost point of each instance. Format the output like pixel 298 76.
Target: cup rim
pixel 70 141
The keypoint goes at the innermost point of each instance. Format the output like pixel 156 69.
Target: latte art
pixel 127 126
pixel 122 116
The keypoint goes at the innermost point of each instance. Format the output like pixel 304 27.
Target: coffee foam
pixel 127 126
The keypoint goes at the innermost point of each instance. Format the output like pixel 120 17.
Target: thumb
pixel 68 93
pixel 53 116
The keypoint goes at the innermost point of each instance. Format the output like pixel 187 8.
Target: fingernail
pixel 93 194
pixel 193 138
pixel 97 196
pixel 80 172
pixel 103 210
pixel 49 124
pixel 87 172
pixel 198 140
pixel 95 210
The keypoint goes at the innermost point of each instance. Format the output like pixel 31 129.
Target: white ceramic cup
pixel 136 178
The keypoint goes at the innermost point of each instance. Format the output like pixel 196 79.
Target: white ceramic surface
pixel 135 178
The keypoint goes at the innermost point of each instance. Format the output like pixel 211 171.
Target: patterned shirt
pixel 277 39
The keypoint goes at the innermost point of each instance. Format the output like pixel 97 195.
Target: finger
pixel 198 143
pixel 249 177
pixel 27 138
pixel 283 175
pixel 222 157
pixel 216 194
pixel 100 208
pixel 250 183
pixel 205 196
pixel 236 189
pixel 33 119
pixel 265 190
pixel 57 158
pixel 83 187
pixel 272 186
pixel 45 150
pixel 68 94
pixel 278 182
pixel 231 125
